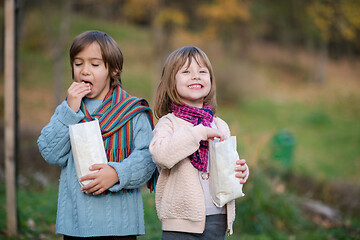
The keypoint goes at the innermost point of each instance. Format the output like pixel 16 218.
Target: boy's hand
pixel 75 93
pixel 102 179
pixel 242 170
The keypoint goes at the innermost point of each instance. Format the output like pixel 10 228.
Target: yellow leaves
pixel 171 16
pixel 351 11
pixel 224 15
pixel 336 17
pixel 348 33
pixel 154 10
pixel 138 10
pixel 225 11
pixel 323 16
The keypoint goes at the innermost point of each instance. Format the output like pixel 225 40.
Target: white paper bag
pixel 224 186
pixel 87 147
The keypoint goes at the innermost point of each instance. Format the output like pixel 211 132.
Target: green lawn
pixel 326 139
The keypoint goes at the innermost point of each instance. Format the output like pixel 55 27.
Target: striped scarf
pixel 114 115
pixel 196 116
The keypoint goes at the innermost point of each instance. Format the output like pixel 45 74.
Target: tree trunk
pixel 60 48
pixel 10 111
pixel 58 40
pixel 159 47
pixel 320 71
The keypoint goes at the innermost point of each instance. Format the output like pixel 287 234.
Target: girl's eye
pixel 185 71
pixel 96 65
pixel 203 71
pixel 77 64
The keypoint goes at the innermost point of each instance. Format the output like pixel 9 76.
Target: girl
pixel 110 206
pixel 185 103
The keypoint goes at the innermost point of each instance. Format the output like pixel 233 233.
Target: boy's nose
pixel 85 70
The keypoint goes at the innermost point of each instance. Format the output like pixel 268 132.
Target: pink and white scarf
pixel 196 116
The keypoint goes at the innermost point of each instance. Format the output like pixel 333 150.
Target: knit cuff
pixel 67 116
pixel 121 170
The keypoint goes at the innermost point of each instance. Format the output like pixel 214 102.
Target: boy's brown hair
pixel 111 53
pixel 166 92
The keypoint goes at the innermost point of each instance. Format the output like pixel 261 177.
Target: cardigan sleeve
pixel 135 170
pixel 172 144
pixel 54 140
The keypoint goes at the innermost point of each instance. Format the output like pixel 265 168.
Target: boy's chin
pixel 90 96
pixel 93 96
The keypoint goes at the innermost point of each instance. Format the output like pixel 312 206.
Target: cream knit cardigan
pixel 180 202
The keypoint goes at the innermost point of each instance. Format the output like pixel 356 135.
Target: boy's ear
pixel 115 72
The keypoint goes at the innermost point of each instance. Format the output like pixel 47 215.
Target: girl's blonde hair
pixel 111 53
pixel 166 92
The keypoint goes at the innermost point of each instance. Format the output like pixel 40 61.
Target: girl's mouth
pixel 195 86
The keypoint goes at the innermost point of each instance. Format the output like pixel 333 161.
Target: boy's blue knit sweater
pixel 86 215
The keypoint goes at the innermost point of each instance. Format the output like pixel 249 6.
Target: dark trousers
pixel 100 238
pixel 215 229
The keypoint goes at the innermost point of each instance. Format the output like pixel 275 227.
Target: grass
pixel 152 223
pixel 36 213
pixel 324 139
pixel 264 213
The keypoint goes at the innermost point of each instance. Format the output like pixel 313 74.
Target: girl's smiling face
pixel 193 83
pixel 89 67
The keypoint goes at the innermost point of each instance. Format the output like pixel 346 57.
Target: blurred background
pixel 288 85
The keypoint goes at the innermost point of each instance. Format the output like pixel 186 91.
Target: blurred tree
pixel 338 22
pixel 227 20
pixel 1 36
pixel 28 19
pixel 308 22
pixel 105 9
pixel 164 18
pixel 140 11
pixel 44 26
pixel 282 21
pixel 169 19
pixel 57 40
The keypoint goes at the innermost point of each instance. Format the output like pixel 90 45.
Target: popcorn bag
pixel 87 147
pixel 224 186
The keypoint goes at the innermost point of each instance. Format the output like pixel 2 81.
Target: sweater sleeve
pixel 54 140
pixel 170 145
pixel 137 169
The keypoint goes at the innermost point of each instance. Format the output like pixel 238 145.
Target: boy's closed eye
pixel 96 62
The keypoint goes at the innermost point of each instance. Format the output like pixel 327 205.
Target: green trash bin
pixel 282 145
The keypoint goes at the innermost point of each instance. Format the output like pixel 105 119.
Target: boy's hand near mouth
pixel 75 94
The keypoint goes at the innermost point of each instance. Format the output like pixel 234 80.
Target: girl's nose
pixel 195 76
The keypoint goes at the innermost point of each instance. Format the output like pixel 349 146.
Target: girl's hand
pixel 242 170
pixel 102 179
pixel 212 133
pixel 75 93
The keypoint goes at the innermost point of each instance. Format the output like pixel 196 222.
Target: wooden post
pixel 10 116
